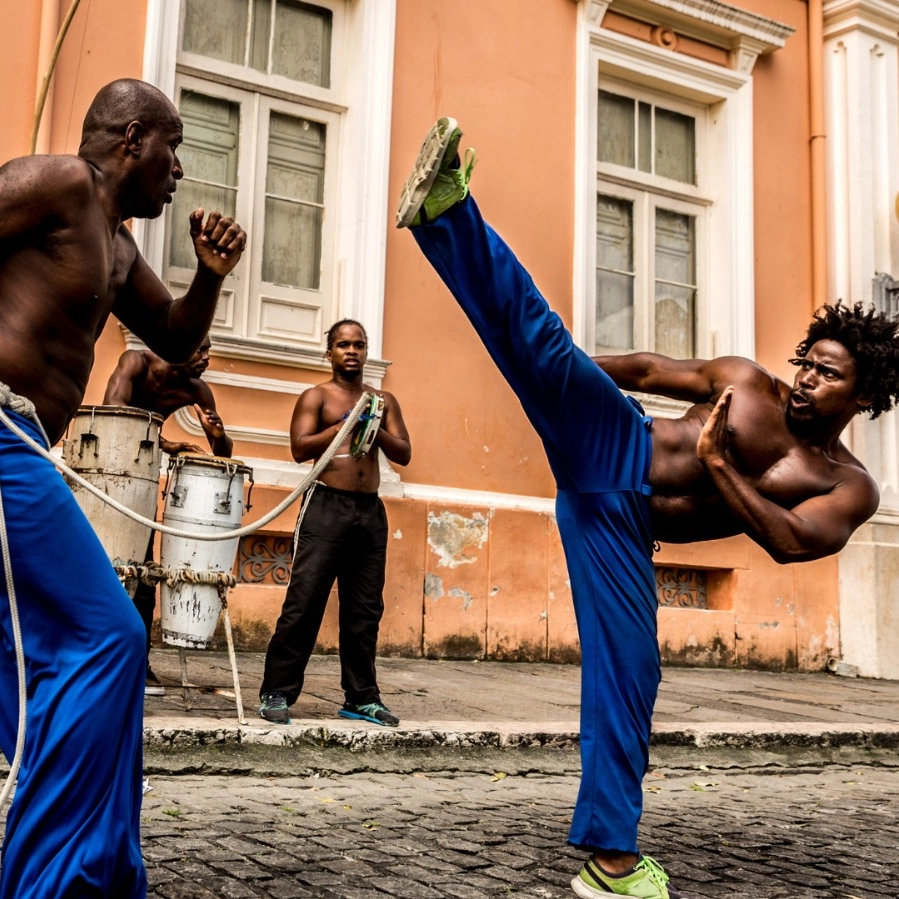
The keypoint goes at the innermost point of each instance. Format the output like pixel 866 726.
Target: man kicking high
pixel 752 455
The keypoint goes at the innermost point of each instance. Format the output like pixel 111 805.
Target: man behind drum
pixel 146 381
pixel 66 262
pixel 341 534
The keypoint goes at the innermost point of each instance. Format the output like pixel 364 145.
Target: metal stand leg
pixel 185 684
pixel 230 638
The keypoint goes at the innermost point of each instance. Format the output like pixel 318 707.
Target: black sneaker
pixel 153 686
pixel 274 708
pixel 376 712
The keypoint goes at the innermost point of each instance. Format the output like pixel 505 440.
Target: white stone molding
pixel 727 323
pixel 744 34
pixel 362 159
pixel 861 82
pixel 876 18
pixel 596 11
pixel 861 91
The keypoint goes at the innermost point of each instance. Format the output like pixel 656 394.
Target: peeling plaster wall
pixel 487 583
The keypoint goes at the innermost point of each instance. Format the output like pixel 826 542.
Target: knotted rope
pixel 22 406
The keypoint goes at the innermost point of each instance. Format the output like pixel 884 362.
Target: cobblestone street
pixel 826 833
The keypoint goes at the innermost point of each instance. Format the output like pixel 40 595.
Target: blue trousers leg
pixel 73 829
pixel 599 449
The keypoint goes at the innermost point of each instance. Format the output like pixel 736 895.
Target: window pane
pixel 209 156
pixel 615 127
pixel 302 46
pixel 614 273
pixel 644 137
pixel 675 146
pixel 216 28
pixel 295 189
pixel 260 34
pixel 675 293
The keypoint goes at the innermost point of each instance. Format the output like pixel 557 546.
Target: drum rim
pixel 211 461
pixel 134 411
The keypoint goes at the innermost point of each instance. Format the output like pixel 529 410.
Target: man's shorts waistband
pixel 353 494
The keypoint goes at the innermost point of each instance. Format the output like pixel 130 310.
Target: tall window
pixel 256 90
pixel 650 222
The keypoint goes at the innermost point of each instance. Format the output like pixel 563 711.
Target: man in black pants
pixel 341 534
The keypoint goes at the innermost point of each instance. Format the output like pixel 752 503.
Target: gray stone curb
pixel 172 734
pixel 183 733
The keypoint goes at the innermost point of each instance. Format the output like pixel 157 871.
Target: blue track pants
pixel 73 829
pixel 599 449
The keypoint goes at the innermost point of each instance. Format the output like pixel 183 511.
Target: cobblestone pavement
pixel 827 833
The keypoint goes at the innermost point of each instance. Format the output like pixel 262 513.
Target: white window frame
pixel 646 192
pixel 645 203
pixel 726 325
pixel 361 96
pixel 725 311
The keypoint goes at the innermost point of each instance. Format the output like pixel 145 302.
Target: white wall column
pixel 861 81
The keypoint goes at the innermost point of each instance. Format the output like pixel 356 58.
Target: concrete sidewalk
pixel 497 706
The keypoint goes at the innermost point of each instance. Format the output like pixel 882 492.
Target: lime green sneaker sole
pixel 441 143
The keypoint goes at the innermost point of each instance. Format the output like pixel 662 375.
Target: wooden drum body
pixel 116 449
pixel 204 495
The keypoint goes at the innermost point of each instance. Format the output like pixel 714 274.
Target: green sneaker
pixel 274 707
pixel 376 712
pixel 436 182
pixel 646 880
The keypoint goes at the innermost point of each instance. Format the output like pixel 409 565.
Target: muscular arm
pixel 693 380
pixel 393 437
pixel 307 439
pixel 219 442
pixel 815 528
pixel 174 328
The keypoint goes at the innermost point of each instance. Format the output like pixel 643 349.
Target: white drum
pixel 116 448
pixel 204 495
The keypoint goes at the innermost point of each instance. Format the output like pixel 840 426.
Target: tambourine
pixel 366 429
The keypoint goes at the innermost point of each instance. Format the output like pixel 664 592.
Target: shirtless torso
pixel 67 261
pixel 158 391
pixel 771 462
pixel 144 380
pixel 321 410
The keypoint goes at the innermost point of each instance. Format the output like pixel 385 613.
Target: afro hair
pixel 873 340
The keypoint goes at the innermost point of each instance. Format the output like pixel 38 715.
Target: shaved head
pixel 117 105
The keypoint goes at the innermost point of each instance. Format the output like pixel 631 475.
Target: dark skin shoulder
pixel 143 380
pixel 736 462
pixel 52 305
pixel 318 417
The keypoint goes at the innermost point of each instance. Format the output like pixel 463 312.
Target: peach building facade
pixel 688 176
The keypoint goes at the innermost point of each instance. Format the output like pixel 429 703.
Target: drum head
pixel 204 460
pixel 366 429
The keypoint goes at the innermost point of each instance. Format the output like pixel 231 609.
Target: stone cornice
pixel 878 17
pixel 744 34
